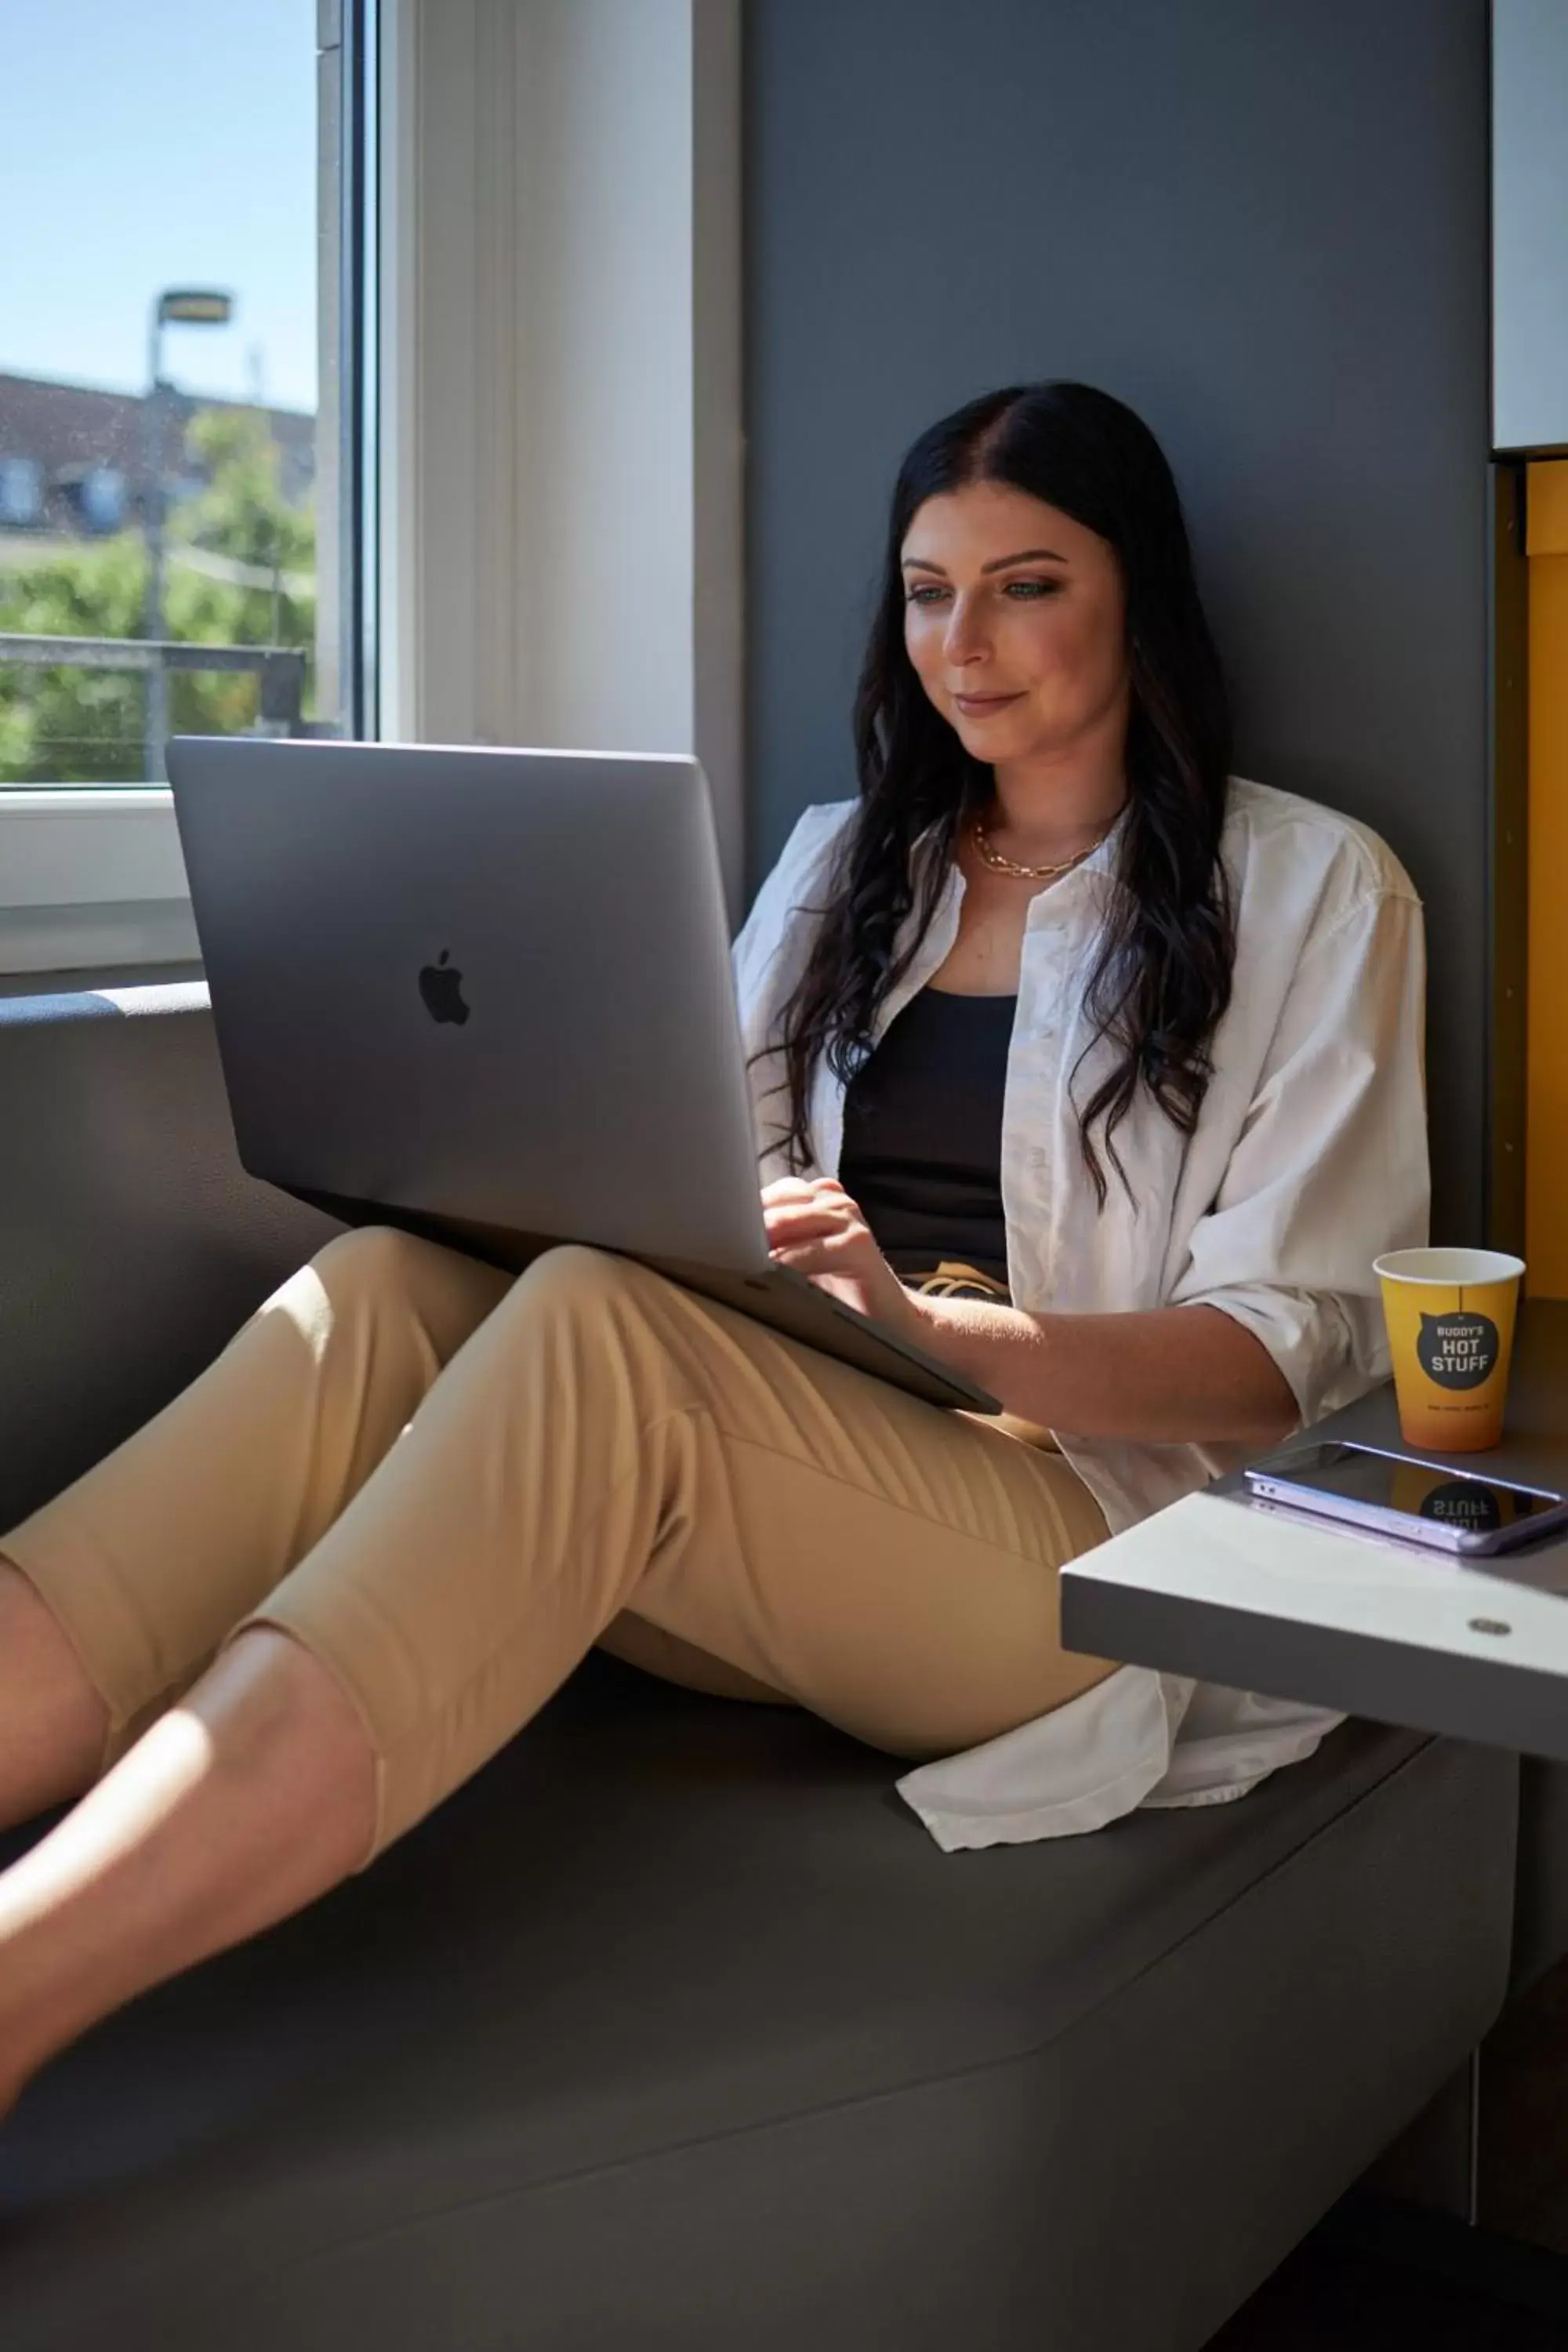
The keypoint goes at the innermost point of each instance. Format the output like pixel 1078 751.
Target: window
pixel 180 387
pixel 459 524
pixel 101 498
pixel 21 492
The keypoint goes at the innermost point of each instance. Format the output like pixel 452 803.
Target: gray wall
pixel 1530 224
pixel 1263 226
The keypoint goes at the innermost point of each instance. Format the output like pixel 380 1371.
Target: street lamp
pixel 187 305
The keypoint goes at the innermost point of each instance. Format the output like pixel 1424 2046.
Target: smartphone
pixel 1455 1510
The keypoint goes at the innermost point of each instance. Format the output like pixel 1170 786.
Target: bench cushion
pixel 672 2027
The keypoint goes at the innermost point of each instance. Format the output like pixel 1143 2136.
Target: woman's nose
pixel 965 639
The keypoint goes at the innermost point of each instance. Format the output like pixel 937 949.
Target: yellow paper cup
pixel 1451 1315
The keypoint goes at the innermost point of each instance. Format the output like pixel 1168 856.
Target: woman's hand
pixel 815 1227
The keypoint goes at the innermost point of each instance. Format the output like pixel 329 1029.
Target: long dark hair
pixel 1162 977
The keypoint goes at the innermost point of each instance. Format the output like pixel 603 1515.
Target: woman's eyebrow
pixel 1029 555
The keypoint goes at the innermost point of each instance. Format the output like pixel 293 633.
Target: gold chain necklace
pixel 1000 863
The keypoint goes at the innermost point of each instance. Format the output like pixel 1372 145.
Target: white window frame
pixel 92 877
pixel 560 220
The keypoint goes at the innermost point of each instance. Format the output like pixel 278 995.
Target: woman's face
pixel 1013 618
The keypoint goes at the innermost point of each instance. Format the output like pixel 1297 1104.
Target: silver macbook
pixel 486 995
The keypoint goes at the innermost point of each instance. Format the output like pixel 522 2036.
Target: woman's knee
pixel 379 1264
pixel 377 1271
pixel 376 1258
pixel 357 1274
pixel 374 1273
pixel 384 1257
pixel 574 1275
pixel 608 1301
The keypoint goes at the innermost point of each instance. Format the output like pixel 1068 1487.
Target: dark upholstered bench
pixel 673 2028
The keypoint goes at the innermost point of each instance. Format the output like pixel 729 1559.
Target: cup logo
pixel 1458 1351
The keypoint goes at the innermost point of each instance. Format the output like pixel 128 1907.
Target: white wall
pixel 563 426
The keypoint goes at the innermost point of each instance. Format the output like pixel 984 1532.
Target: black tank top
pixel 922 1133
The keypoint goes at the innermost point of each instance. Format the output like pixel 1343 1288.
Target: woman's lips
pixel 980 706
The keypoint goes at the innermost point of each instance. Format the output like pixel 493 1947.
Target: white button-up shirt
pixel 1309 1159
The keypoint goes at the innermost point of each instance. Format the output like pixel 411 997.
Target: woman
pixel 1094 1069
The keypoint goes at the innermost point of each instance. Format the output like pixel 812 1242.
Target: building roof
pixel 70 430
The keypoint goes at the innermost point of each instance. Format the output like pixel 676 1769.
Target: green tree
pixel 243 520
pixel 237 564
pixel 72 725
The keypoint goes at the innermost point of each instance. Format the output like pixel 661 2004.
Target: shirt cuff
pixel 1306 1332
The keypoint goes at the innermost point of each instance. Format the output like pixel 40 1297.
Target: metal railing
pixel 281 668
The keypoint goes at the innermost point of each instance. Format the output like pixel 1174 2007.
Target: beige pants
pixel 450 1485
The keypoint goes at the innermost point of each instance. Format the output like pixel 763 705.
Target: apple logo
pixel 441 986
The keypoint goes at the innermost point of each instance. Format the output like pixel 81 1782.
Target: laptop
pixel 486 995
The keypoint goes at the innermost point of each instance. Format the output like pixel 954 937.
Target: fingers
pixel 803 1213
pixel 788 1221
pixel 800 1187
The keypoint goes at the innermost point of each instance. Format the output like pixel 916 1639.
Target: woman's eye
pixel 1022 592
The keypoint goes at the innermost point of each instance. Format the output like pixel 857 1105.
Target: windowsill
pixel 89 979
pixel 92 877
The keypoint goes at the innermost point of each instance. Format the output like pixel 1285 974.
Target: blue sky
pixel 150 143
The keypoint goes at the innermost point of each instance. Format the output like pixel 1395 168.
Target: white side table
pixel 1216 1587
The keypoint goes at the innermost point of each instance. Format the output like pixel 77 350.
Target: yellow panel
pixel 1546 508
pixel 1546 1213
